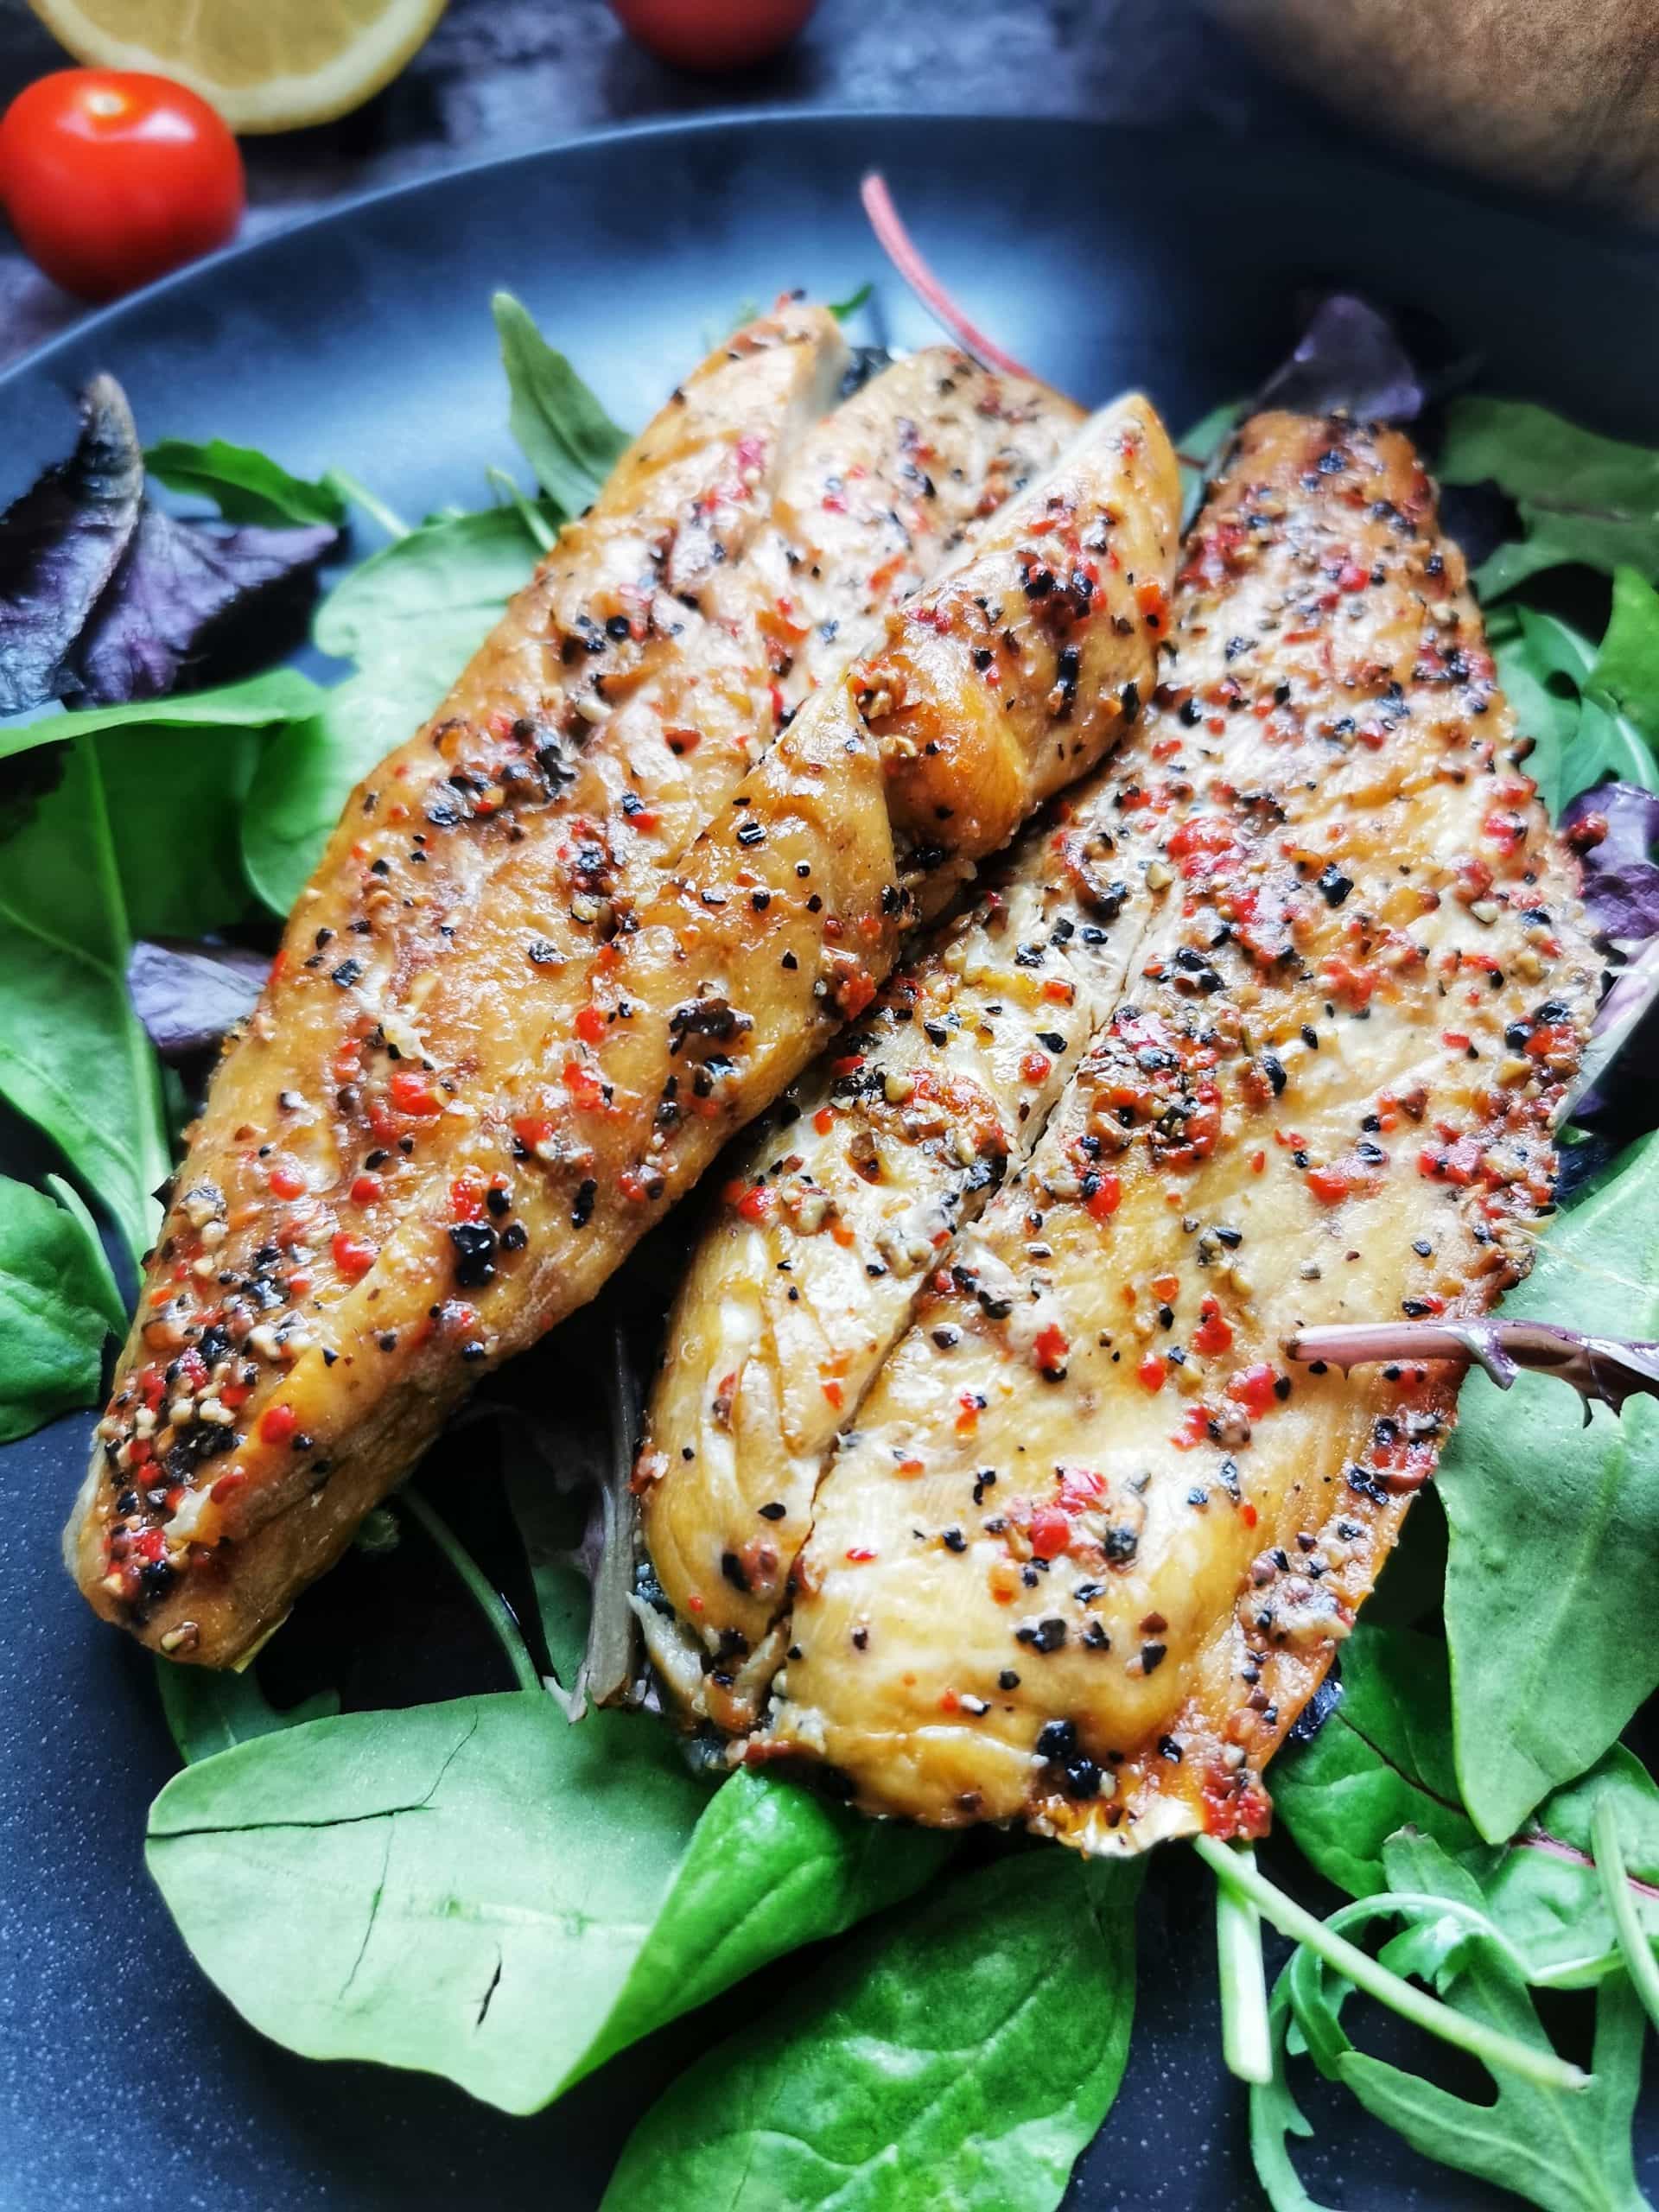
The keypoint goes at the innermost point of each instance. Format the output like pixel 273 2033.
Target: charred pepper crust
pixel 1214 1773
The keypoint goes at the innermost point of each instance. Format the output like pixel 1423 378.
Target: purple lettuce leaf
pixel 1349 357
pixel 195 606
pixel 61 544
pixel 187 997
pixel 1621 882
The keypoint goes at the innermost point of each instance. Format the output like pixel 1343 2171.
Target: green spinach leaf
pixel 1558 688
pixel 1627 666
pixel 281 694
pixel 58 1302
pixel 558 424
pixel 479 1889
pixel 957 2058
pixel 244 484
pixel 72 1057
pixel 212 1709
pixel 1565 2151
pixel 410 616
pixel 1383 1762
pixel 1581 497
pixel 1553 1544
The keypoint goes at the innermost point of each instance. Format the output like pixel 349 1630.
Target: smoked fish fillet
pixel 1094 1540
pixel 836 1213
pixel 306 1323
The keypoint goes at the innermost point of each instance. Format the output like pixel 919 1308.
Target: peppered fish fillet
pixel 351 1181
pixel 1327 1093
pixel 836 1216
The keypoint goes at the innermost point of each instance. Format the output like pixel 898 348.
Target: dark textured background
pixel 501 75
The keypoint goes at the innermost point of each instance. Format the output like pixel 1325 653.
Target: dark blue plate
pixel 1103 259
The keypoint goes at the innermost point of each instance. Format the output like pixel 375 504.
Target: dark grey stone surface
pixel 501 75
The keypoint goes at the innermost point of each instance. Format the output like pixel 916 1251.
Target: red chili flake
pixel 835 1394
pixel 465 1199
pixel 1212 1334
pixel 1165 1286
pixel 1329 1185
pixel 412 1093
pixel 757 1203
pixel 365 1189
pixel 227 1486
pixel 823 1121
pixel 285 1180
pixel 1060 991
pixel 1051 1531
pixel 1193 1429
pixel 1154 602
pixel 590 1025
pixel 910 1468
pixel 1254 1388
pixel 1105 1198
pixel 1351 577
pixel 1153 1372
pixel 859 1554
pixel 1456 1040
pixel 1035 1067
pixel 847 1063
pixel 587 1091
pixel 278 1423
pixel 1050 1349
pixel 1248 1515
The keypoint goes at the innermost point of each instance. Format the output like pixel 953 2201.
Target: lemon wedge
pixel 265 65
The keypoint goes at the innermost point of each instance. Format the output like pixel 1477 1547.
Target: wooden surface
pixel 501 75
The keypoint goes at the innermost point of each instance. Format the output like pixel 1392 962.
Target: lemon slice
pixel 265 65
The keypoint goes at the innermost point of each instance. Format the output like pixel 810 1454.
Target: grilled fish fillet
pixel 305 1324
pixel 849 1197
pixel 1093 1541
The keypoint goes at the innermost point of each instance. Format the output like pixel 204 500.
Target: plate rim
pixel 1313 137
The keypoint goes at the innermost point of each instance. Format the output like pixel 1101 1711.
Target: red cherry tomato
pixel 111 178
pixel 713 35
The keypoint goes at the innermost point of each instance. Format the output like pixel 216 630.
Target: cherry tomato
pixel 111 178
pixel 713 35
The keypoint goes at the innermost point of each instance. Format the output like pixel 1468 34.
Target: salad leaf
pixel 1565 2151
pixel 1200 452
pixel 187 996
pixel 1580 497
pixel 244 484
pixel 1555 1526
pixel 1554 681
pixel 1627 666
pixel 1349 356
pixel 844 310
pixel 558 424
pixel 412 616
pixel 478 1889
pixel 60 545
pixel 72 1057
pixel 1621 880
pixel 212 1709
pixel 957 2057
pixel 281 695
pixel 60 1302
pixel 189 604
pixel 1384 1762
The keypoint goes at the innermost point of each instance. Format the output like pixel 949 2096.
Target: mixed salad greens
pixel 509 1887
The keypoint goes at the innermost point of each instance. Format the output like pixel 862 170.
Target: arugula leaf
pixel 558 424
pixel 212 1709
pixel 244 484
pixel 1383 1762
pixel 1581 497
pixel 73 1059
pixel 412 616
pixel 58 1302
pixel 959 2057
pixel 1567 2152
pixel 1554 1527
pixel 1627 666
pixel 478 1889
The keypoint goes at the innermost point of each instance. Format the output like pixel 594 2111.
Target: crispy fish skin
pixel 607 718
pixel 1327 1094
pixel 851 1196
